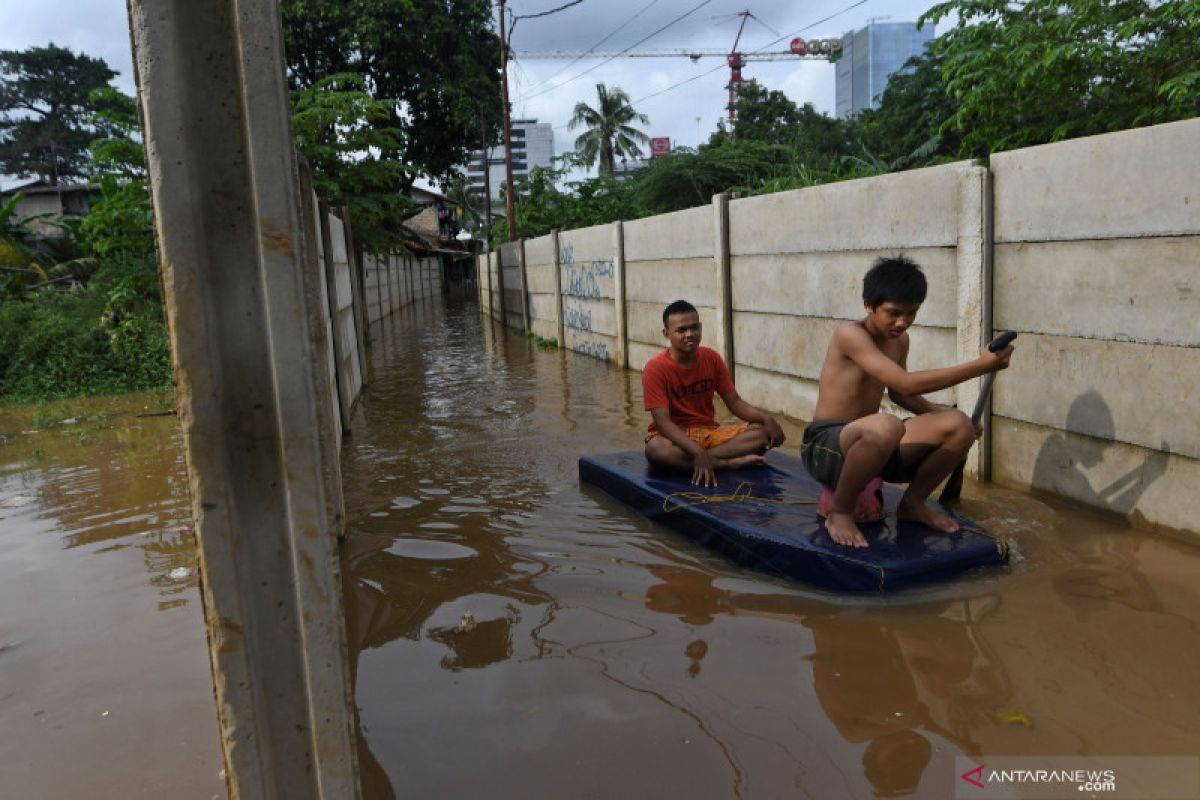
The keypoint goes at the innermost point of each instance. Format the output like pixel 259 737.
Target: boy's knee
pixel 959 426
pixel 885 430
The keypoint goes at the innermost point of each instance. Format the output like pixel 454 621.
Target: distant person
pixel 678 386
pixel 445 218
pixel 851 443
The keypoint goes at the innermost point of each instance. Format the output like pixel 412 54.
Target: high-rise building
pixel 532 146
pixel 869 57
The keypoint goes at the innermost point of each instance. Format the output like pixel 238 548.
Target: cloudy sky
pixel 683 99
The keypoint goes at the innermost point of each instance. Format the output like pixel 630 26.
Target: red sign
pixel 660 146
pixel 799 47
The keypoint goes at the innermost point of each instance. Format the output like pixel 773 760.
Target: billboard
pixel 660 146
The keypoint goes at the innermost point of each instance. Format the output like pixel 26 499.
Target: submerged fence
pixel 1090 249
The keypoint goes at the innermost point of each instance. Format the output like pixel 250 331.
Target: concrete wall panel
pixel 591 344
pixel 830 284
pixel 1130 392
pixel 585 314
pixel 539 251
pixel 1150 487
pixel 682 234
pixel 640 353
pixel 1143 290
pixel 664 282
pixel 541 278
pixel 645 324
pixel 543 308
pixel 544 329
pixel 1141 182
pixel 776 393
pixel 903 210
pixel 587 262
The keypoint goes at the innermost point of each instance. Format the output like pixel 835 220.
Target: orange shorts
pixel 709 437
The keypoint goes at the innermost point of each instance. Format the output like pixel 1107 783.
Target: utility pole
pixel 484 149
pixel 509 206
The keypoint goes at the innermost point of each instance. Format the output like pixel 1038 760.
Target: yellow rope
pixel 742 494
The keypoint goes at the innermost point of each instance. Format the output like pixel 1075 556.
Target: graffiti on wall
pixel 583 277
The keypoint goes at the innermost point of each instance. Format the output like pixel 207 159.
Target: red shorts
pixel 709 437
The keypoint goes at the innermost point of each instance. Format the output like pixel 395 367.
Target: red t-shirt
pixel 686 393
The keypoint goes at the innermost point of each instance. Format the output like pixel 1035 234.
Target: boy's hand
pixel 998 360
pixel 703 473
pixel 775 436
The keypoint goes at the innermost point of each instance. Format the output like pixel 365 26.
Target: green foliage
pixel 104 339
pixel 120 225
pixel 608 130
pixel 344 131
pixel 44 113
pixel 1025 73
pixel 436 63
pixel 540 342
pixel 543 206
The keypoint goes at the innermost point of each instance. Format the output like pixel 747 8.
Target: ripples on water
pixel 515 635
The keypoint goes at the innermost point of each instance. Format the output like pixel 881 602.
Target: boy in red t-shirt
pixel 678 386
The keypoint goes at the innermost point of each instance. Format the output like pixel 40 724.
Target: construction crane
pixel 810 50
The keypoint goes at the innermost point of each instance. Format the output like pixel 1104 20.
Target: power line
pixel 682 16
pixel 579 58
pixel 759 50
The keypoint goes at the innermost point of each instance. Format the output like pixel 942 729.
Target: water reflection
pixel 504 622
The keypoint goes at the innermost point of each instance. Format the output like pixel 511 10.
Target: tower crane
pixel 810 50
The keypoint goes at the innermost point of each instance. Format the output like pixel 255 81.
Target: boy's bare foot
pixel 737 462
pixel 842 529
pixel 919 512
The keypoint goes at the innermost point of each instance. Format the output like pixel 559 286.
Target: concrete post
pixel 358 292
pixel 974 262
pixel 622 307
pixel 558 295
pixel 500 280
pixel 722 261
pixel 252 390
pixel 524 286
pixel 345 392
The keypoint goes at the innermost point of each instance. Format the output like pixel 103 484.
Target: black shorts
pixel 821 452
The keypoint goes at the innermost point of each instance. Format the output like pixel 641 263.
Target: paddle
pixel 953 487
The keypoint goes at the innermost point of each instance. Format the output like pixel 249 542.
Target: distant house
pixel 58 200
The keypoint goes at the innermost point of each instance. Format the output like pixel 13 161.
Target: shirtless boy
pixel 678 386
pixel 850 441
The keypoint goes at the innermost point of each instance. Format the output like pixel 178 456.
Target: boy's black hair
pixel 898 279
pixel 678 307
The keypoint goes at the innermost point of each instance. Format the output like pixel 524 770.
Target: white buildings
pixel 532 146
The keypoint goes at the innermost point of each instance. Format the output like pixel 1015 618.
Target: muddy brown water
pixel 516 635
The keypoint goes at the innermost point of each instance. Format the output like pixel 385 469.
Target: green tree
pixel 909 128
pixel 345 133
pixel 609 132
pixel 1024 73
pixel 435 62
pixel 45 126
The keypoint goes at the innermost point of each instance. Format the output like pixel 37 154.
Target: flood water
pixel 514 635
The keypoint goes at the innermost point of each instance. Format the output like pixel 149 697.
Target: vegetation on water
pixel 540 342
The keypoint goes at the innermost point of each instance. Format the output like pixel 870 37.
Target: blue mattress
pixel 765 519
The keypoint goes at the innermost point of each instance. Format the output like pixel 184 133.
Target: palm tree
pixel 608 133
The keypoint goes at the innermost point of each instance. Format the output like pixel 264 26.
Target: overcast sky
pixel 687 114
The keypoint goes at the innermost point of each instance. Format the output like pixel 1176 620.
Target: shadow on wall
pixel 1064 462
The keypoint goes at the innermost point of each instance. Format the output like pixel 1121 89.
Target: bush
pixel 107 338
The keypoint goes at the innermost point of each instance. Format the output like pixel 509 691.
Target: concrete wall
pixel 669 258
pixel 1089 249
pixel 543 292
pixel 587 270
pixel 1098 266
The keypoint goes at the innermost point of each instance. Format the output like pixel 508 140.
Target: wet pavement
pixel 514 635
